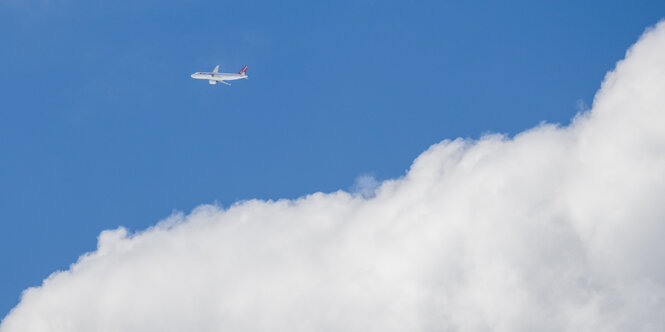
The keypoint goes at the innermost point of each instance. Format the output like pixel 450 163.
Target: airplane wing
pixel 224 82
pixel 216 69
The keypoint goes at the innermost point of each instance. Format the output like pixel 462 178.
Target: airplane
pixel 216 76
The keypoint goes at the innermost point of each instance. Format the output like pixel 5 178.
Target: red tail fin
pixel 243 71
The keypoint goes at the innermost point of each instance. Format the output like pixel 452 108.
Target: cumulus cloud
pixel 555 229
pixel 365 185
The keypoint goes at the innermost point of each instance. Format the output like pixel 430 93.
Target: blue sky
pixel 101 126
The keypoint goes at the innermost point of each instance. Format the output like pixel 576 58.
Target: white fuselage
pixel 216 77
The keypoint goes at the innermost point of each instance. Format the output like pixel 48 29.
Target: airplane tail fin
pixel 216 69
pixel 243 71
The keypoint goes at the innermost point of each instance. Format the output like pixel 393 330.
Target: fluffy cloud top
pixel 556 229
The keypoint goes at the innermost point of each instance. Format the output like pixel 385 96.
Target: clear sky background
pixel 101 126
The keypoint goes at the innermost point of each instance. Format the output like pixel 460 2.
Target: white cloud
pixel 365 185
pixel 557 229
